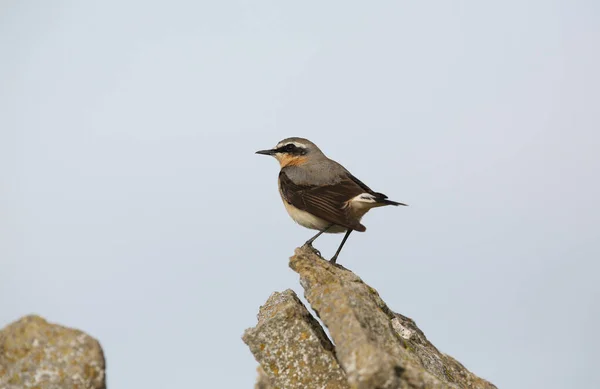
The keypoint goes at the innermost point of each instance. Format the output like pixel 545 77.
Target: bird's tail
pixel 381 199
pixel 390 202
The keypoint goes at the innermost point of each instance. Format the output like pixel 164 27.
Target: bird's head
pixel 293 151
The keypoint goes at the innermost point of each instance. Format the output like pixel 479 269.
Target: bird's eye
pixel 290 147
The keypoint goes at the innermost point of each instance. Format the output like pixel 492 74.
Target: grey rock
pixel 375 348
pixel 262 382
pixel 292 348
pixel 40 355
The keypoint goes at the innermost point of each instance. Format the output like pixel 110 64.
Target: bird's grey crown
pixel 298 142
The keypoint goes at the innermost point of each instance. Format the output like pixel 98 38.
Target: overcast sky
pixel 133 206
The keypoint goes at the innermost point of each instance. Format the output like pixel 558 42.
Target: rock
pixel 40 355
pixel 291 346
pixel 374 346
pixel 262 382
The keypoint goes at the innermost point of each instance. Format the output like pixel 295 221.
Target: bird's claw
pixel 314 250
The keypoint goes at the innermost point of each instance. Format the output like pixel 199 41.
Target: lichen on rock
pixel 292 348
pixel 37 354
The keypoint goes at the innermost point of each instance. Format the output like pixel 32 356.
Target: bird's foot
pixel 309 245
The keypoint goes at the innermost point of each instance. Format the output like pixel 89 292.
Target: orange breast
pixel 291 160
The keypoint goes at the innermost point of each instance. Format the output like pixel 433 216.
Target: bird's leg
pixel 332 260
pixel 311 240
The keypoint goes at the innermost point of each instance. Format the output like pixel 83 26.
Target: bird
pixel 319 193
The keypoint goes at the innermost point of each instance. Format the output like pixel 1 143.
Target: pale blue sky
pixel 133 206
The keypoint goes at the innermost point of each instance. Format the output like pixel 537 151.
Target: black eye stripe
pixel 288 147
pixel 292 149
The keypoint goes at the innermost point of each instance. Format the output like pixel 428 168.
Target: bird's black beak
pixel 266 152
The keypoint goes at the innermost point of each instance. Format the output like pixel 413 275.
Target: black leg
pixel 309 242
pixel 332 260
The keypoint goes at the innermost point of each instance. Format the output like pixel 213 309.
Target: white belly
pixel 308 220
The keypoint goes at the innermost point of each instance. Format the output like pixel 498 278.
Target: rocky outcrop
pixel 374 346
pixel 37 354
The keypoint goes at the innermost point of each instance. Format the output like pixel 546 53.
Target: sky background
pixel 133 207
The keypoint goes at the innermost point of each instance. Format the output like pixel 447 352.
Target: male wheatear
pixel 321 194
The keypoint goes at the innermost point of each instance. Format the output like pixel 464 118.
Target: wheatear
pixel 321 194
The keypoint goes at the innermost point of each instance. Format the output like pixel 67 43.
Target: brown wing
pixel 327 202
